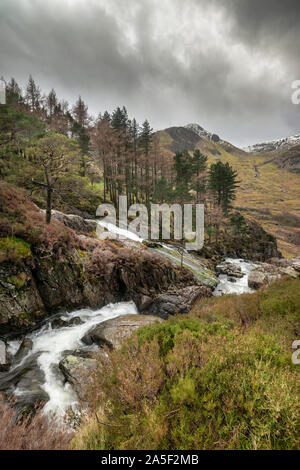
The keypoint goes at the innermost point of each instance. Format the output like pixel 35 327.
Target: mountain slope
pixel 279 145
pixel 269 191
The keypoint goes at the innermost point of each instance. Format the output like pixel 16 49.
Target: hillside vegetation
pixel 268 193
pixel 220 377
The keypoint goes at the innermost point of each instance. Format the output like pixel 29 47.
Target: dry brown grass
pixel 31 432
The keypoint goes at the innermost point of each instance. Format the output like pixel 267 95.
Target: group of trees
pixel 127 157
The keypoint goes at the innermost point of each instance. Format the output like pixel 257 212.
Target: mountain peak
pixel 197 129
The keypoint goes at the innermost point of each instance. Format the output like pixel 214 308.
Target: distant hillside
pixel 270 180
pixel 279 145
pixel 193 136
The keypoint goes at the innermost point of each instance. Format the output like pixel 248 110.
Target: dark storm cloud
pixel 225 64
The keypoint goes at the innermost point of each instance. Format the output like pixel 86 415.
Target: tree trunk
pixel 49 205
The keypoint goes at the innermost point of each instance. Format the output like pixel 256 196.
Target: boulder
pixel 257 279
pixel 145 302
pixel 30 390
pixel 176 301
pixel 60 323
pixel 75 366
pixel 230 269
pixel 113 332
pixel 75 222
pixel 24 349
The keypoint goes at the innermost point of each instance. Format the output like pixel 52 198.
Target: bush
pixel 22 223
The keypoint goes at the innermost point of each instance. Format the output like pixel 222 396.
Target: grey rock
pixel 229 269
pixel 176 301
pixel 75 366
pixel 75 222
pixel 112 333
pixel 24 349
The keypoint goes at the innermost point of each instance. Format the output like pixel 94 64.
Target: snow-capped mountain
pixel 274 145
pixel 202 132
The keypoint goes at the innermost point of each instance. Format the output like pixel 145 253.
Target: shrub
pixel 21 219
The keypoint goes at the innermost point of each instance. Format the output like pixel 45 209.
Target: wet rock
pixel 24 349
pixel 75 321
pixel 151 244
pixel 254 244
pixel 113 332
pixel 145 302
pixel 10 379
pixel 30 390
pixel 21 305
pixel 60 323
pixel 230 269
pixel 75 367
pixel 176 301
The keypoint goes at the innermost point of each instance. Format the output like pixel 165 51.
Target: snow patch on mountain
pixel 274 145
pixel 202 132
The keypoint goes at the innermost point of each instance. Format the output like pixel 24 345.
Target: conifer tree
pixel 223 184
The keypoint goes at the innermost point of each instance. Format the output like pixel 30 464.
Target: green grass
pixel 218 378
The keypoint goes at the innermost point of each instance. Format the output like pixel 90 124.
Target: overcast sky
pixel 225 64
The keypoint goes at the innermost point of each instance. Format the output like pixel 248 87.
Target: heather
pixel 220 377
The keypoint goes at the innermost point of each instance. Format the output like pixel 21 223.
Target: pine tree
pixel 223 184
pixel 183 166
pixel 145 143
pixel 199 164
pixel 80 112
pixel 13 93
pixel 52 102
pixel 33 95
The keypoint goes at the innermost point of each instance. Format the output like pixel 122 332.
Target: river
pixel 37 373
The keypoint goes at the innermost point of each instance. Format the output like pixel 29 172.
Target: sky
pixel 227 65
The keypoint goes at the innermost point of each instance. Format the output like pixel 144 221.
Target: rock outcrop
pixel 76 365
pixel 175 301
pixel 229 269
pixel 112 333
pixel 255 244
pixel 75 222
pixel 41 285
pixel 267 273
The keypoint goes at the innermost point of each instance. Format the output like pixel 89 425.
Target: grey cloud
pixel 152 57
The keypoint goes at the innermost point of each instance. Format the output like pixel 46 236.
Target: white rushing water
pixel 52 343
pixel 49 345
pixel 119 231
pixel 237 286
